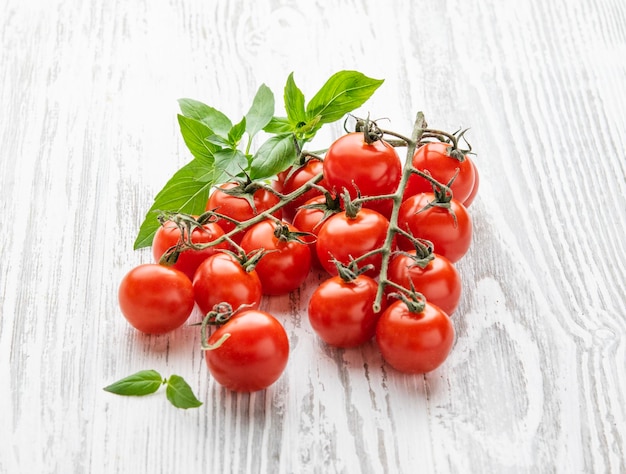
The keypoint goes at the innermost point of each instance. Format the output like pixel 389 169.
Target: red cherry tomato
pixel 155 299
pixel 414 343
pixel 295 177
pixel 250 351
pixel 435 158
pixel 222 278
pixel 439 281
pixel 168 235
pixel 311 219
pixel 343 238
pixel 239 208
pixel 287 262
pixel 374 168
pixel 474 192
pixel 450 230
pixel 341 312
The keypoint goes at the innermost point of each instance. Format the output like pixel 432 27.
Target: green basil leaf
pixel 229 164
pixel 342 93
pixel 179 393
pixel 218 141
pixel 261 111
pixel 212 118
pixel 275 155
pixel 186 191
pixel 196 135
pixel 142 383
pixel 235 133
pixel 294 103
pixel 279 125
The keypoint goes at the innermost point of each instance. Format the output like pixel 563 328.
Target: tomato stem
pixel 419 128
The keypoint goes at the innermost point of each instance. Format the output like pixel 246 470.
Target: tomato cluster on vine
pixel 387 233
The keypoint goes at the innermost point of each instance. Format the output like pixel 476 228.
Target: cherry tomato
pixel 311 219
pixel 474 192
pixel 250 351
pixel 239 208
pixel 342 238
pixel 293 178
pixel 450 230
pixel 435 158
pixel 341 312
pixel 155 299
pixel 374 168
pixel 414 342
pixel 439 281
pixel 168 235
pixel 222 278
pixel 287 262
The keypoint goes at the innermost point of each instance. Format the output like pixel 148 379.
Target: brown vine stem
pixel 264 215
pixel 418 130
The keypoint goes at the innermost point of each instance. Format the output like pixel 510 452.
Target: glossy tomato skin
pixel 439 281
pixel 414 343
pixel 341 312
pixel 255 354
pixel 435 158
pixel 222 279
pixel 239 208
pixel 374 168
pixel 168 235
pixel 342 237
pixel 155 299
pixel 470 199
pixel 450 236
pixel 295 177
pixel 310 220
pixel 287 263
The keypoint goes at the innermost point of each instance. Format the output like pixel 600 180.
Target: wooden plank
pixel 536 381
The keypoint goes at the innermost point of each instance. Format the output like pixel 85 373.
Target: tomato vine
pixel 224 162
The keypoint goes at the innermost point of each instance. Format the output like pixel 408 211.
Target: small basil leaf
pixel 279 125
pixel 235 133
pixel 275 155
pixel 261 111
pixel 142 383
pixel 342 93
pixel 195 135
pixel 294 103
pixel 179 393
pixel 211 117
pixel 229 164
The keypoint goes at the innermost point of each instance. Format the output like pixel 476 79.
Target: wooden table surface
pixel 536 381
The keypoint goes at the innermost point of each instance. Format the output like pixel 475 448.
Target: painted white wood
pixel 88 134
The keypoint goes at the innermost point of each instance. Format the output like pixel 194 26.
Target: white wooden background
pixel 88 134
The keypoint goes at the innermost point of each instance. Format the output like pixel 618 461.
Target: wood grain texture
pixel 537 379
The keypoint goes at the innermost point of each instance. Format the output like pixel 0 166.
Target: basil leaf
pixel 228 164
pixel 261 111
pixel 196 135
pixel 275 155
pixel 186 191
pixel 179 393
pixel 142 383
pixel 235 133
pixel 279 125
pixel 294 103
pixel 211 117
pixel 342 93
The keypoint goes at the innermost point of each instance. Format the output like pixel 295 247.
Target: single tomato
pixel 249 352
pixel 374 168
pixel 155 299
pixel 414 342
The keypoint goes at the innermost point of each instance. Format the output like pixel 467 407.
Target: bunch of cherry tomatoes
pixel 387 232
